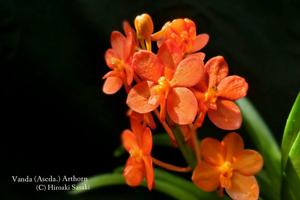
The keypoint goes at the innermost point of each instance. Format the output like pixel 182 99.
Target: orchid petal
pixel 131 39
pixel 188 73
pixel 166 59
pixel 233 144
pixel 217 69
pixel 248 162
pixel 133 172
pixel 129 140
pixel 129 74
pixel 212 151
pixel 147 141
pixel 118 43
pixel 146 65
pixel 149 171
pixel 200 42
pixel 138 96
pixel 200 55
pixel 112 84
pixel 232 87
pixel 206 177
pixel 137 130
pixel 178 25
pixel 227 116
pixel 110 56
pixel 182 105
pixel 158 35
pixel 243 188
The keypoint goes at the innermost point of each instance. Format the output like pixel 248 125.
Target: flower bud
pixel 143 25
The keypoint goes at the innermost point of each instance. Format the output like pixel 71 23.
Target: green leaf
pixel 186 185
pixel 291 129
pixel 291 180
pixel 264 141
pixel 161 139
pixel 118 179
pixel 181 183
pixel 264 183
pixel 165 182
pixel 98 182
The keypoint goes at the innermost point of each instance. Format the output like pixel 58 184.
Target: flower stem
pixel 177 135
pixel 195 143
pixel 184 148
pixel 165 125
pixel 170 166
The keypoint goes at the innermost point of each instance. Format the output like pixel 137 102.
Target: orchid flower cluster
pixel 179 86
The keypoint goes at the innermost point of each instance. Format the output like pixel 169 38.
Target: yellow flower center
pixel 226 173
pixel 163 83
pixel 211 95
pixel 118 64
pixel 136 153
pixel 162 87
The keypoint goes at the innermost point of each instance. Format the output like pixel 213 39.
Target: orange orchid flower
pixel 166 85
pixel 118 59
pixel 138 143
pixel 228 165
pixel 183 33
pixel 216 93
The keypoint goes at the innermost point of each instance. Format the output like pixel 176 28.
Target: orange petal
pixel 134 172
pixel 154 99
pixel 232 87
pixel 175 50
pixel 166 59
pixel 149 171
pixel 212 151
pixel 233 144
pixel 109 58
pixel 217 69
pixel 182 105
pixel 200 42
pixel 243 188
pixel 130 39
pixel 130 34
pixel 127 29
pixel 227 116
pixel 118 43
pixel 146 65
pixel 112 84
pixel 138 96
pixel 158 35
pixel 147 141
pixel 200 55
pixel 134 115
pixel 137 129
pixel 206 177
pixel 178 25
pixel 129 140
pixel 112 73
pixel 129 74
pixel 248 162
pixel 188 73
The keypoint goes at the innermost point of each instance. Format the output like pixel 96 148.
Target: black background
pixel 55 119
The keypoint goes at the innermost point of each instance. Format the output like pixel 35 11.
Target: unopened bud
pixel 144 26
